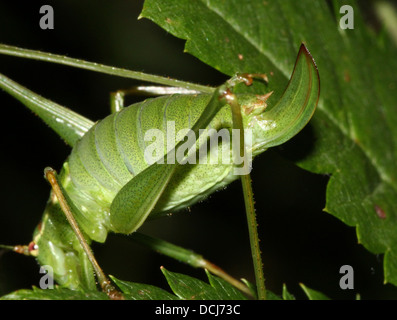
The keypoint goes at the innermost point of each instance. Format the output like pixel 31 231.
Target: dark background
pixel 300 243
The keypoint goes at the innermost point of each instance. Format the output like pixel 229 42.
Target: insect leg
pixel 117 98
pixel 238 152
pixel 247 78
pixel 77 63
pixel 116 101
pixel 67 207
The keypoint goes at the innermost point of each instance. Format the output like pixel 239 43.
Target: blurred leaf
pixel 353 136
pixel 313 294
pixel 54 294
pixel 286 294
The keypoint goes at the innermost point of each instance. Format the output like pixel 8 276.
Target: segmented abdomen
pixel 112 152
pixel 107 157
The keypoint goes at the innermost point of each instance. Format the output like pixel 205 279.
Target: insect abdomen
pixel 112 153
pixel 108 156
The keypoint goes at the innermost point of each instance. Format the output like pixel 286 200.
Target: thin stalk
pixel 240 152
pixel 253 235
pixel 82 64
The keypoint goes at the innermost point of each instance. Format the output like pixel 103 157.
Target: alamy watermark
pixel 347 280
pixel 47 19
pixel 347 20
pixel 215 147
pixel 47 281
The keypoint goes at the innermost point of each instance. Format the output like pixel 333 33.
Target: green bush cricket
pixel 104 175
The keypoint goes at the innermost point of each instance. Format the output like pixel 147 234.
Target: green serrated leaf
pixel 354 128
pixel 225 288
pixel 139 291
pixel 54 294
pixel 188 288
pixel 313 294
